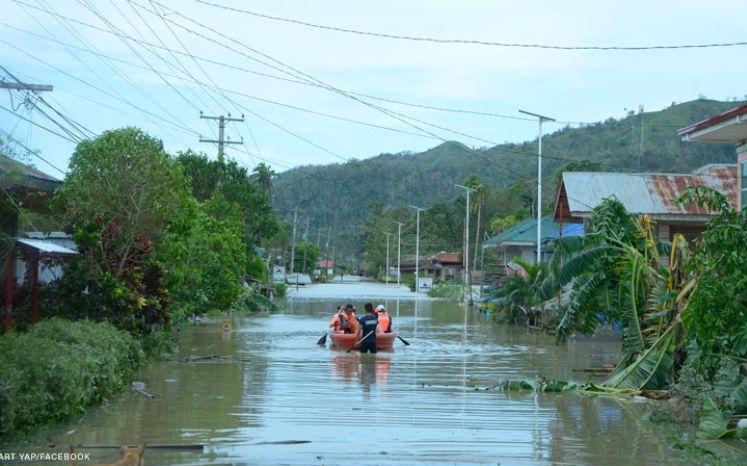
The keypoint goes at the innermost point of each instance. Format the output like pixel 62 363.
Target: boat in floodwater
pixel 384 341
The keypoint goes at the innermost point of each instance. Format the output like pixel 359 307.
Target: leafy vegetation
pixel 58 368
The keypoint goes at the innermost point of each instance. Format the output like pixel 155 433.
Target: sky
pixel 311 95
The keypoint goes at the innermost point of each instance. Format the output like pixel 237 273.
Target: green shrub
pixel 58 368
pixel 280 290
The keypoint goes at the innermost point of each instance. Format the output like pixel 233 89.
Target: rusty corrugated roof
pixel 647 193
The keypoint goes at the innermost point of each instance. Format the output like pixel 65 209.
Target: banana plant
pixel 619 272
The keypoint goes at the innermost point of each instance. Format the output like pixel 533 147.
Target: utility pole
pixel 399 248
pixel 293 247
pixel 417 248
pixel 539 180
pixel 467 274
pixel 26 87
pixel 221 141
pixel 640 146
pixel 305 248
pixel 326 251
pixel 386 271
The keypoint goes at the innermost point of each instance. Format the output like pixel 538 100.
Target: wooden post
pixel 35 288
pixel 9 286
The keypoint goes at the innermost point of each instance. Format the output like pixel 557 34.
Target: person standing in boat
pixel 367 330
pixel 385 320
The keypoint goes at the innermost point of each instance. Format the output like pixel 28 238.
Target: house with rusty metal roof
pixel 654 194
pixel 729 127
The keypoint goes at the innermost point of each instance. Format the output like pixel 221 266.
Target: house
pixel 654 194
pixel 521 239
pixel 446 266
pixel 729 127
pixel 24 187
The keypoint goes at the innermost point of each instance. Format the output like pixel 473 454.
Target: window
pixel 743 185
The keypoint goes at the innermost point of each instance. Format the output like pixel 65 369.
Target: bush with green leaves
pixel 58 368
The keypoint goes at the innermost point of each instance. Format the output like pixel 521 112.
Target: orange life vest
pixel 385 322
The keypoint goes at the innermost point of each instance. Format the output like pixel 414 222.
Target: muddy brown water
pixel 427 403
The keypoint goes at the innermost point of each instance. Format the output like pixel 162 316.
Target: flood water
pixel 428 403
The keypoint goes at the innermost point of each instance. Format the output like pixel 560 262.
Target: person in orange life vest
pixel 345 320
pixel 385 320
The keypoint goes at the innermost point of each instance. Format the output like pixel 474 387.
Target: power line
pixel 473 41
pixel 29 151
pixel 39 126
pixel 275 77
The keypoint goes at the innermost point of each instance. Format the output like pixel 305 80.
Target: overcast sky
pixel 156 64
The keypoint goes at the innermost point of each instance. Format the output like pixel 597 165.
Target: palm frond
pixel 652 369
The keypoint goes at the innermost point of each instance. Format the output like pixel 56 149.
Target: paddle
pixel 359 341
pixel 403 340
pixel 197 446
pixel 323 340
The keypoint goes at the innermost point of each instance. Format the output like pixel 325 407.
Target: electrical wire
pixel 473 41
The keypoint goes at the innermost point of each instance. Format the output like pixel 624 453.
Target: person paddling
pixel 367 330
pixel 385 320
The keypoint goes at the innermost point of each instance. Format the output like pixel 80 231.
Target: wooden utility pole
pixel 26 87
pixel 221 141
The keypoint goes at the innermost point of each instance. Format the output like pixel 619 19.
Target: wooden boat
pixel 344 341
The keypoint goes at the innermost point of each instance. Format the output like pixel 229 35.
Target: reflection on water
pixel 432 402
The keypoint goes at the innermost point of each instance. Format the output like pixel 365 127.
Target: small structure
pixel 654 194
pixel 521 239
pixel 32 252
pixel 729 127
pixel 446 266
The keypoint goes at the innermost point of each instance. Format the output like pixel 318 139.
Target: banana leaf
pixel 654 365
pixel 713 424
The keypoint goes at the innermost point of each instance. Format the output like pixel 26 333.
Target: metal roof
pixel 646 193
pixel 45 246
pixel 728 127
pixel 526 233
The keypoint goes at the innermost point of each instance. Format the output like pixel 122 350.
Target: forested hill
pixel 339 195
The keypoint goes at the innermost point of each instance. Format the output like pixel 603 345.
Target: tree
pixel 262 177
pixel 122 194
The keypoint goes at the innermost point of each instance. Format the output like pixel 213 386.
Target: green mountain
pixel 339 196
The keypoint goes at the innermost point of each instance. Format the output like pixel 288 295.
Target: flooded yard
pixel 433 402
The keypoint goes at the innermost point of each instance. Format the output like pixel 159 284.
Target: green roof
pixel 526 232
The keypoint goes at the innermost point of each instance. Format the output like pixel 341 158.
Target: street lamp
pixel 466 244
pixel 417 248
pixel 386 271
pixel 399 247
pixel 541 119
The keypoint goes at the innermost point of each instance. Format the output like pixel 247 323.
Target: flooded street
pixel 432 402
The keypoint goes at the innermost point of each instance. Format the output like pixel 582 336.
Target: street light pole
pixel 541 119
pixel 386 271
pixel 467 277
pixel 399 248
pixel 417 248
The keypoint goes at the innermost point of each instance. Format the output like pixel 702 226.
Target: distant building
pixel 654 194
pixel 521 239
pixel 727 128
pixel 446 266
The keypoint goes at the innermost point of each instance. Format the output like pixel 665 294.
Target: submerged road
pixel 433 402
